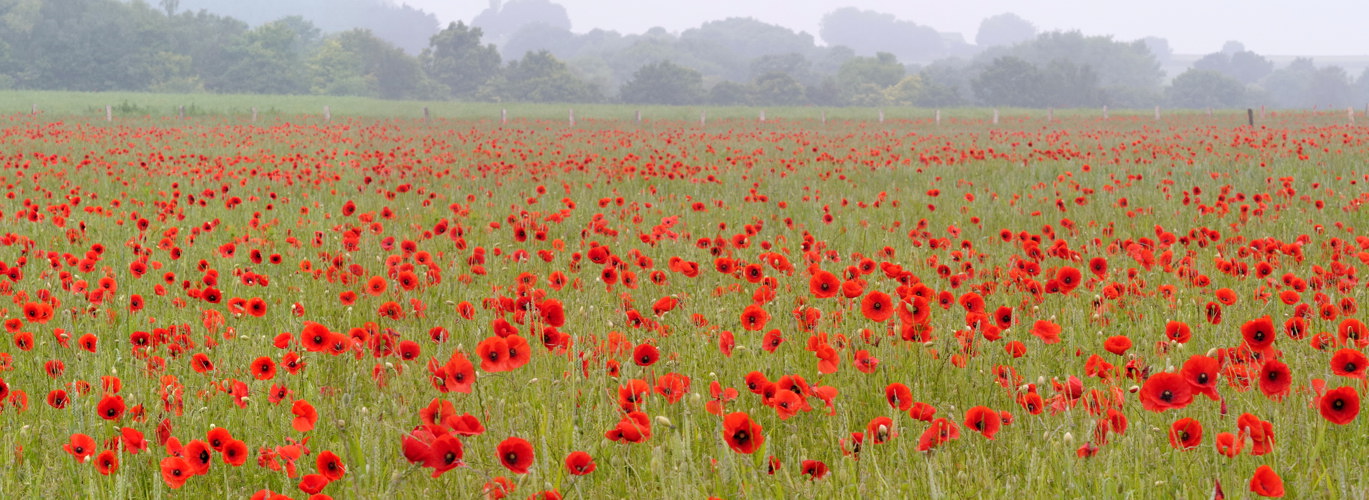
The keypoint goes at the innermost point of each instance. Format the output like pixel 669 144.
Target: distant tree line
pixel 530 55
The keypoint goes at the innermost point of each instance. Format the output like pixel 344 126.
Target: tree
pixel 1244 66
pixel 1009 81
pixel 455 58
pixel 1004 29
pixel 1158 47
pixel 727 93
pixel 356 62
pixel 540 77
pixel 778 89
pixel 501 22
pixel 863 79
pixel 1128 73
pixel 1199 88
pixel 269 59
pixel 746 38
pixel 663 82
pixel 869 32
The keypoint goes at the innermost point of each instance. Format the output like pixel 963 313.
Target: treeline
pixel 869 59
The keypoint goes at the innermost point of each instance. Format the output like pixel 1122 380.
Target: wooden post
pixel 639 117
pixel 1350 113
pixel 938 117
pixel 703 118
pixel 1105 112
pixel 33 110
pixel 824 117
pixel 881 115
pixel 762 117
pixel 1250 116
pixel 995 116
pixel 327 114
pixel 1157 113
pixel 426 116
pixel 254 114
pixel 1050 115
pixel 180 111
pixel 503 117
pixel 109 113
pixel 1209 111
pixel 1261 113
pixel 572 117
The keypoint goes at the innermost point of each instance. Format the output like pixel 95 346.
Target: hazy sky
pixel 1268 27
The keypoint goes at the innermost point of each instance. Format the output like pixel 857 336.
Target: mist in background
pixel 1051 53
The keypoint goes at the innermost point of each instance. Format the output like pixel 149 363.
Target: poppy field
pixel 397 308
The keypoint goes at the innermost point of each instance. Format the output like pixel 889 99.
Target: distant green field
pixel 268 107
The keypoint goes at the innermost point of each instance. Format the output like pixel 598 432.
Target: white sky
pixel 1268 27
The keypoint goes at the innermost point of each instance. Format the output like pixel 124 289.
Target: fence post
pixel 426 116
pixel 254 114
pixel 33 110
pixel 1105 112
pixel 1157 113
pixel 327 114
pixel 1250 116
pixel 180 111
pixel 703 118
pixel 762 117
pixel 824 117
pixel 1350 113
pixel 1050 115
pixel 572 117
pixel 639 117
pixel 109 113
pixel 881 115
pixel 995 116
pixel 938 117
pixel 503 116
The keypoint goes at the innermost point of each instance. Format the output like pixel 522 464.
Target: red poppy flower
pixel 824 285
pixel 234 452
pixel 1117 344
pixel 941 431
pixel 493 353
pixel 741 434
pixel 814 469
pixel 1258 333
pixel 672 386
pixel 899 396
pixel 1340 406
pixel 107 462
pixel 1228 444
pixel 305 416
pixel 635 427
pixel 110 408
pixel 754 318
pixel 330 466
pixel 877 306
pixel 880 430
pixel 645 355
pixel 1178 331
pixel 1185 434
pixel 1266 483
pixel 984 420
pixel 515 454
pixel 1047 331
pixel 1348 362
pixel 263 368
pixel 175 471
pixel 1201 373
pixel 1164 391
pixel 1275 379
pixel 81 447
pixel 579 463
